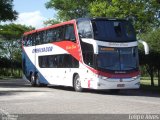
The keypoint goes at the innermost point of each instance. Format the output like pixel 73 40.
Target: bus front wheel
pixel 77 84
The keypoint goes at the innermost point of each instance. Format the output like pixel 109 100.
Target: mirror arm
pixel 146 47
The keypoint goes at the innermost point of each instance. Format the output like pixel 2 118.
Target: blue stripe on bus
pixel 30 67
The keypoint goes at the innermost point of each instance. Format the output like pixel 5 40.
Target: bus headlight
pixel 136 77
pixel 102 77
pixel 138 83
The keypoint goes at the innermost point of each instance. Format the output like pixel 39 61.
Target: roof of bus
pixel 49 27
pixel 68 22
pixel 101 18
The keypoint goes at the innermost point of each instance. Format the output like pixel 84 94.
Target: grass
pixel 8 77
pixel 146 85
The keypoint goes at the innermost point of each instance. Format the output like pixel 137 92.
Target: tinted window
pixel 49 36
pixel 84 29
pixel 58 61
pixel 69 33
pixel 29 40
pixel 40 36
pixel 24 40
pixel 113 31
pixel 88 58
pixel 65 32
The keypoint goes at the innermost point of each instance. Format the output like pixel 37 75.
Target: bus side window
pixel 43 37
pixel 29 40
pixel 49 36
pixel 24 39
pixel 52 61
pixel 58 61
pixel 60 33
pixel 33 39
pixel 43 61
pixel 68 61
pixel 69 33
pixel 39 38
pixel 74 62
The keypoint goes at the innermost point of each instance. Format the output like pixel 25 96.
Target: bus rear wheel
pixel 77 84
pixel 38 83
pixel 32 79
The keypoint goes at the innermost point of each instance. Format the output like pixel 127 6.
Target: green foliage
pixel 51 22
pixel 152 61
pixel 6 10
pixel 10 38
pixel 10 42
pixel 153 39
pixel 70 9
pixel 141 12
pixel 13 31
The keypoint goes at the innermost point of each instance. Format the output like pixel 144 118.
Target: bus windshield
pixel 119 59
pixel 113 31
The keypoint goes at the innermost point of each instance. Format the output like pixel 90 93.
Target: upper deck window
pixel 113 31
pixel 69 33
pixel 84 29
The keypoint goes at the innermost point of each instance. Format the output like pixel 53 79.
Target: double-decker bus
pixel 93 53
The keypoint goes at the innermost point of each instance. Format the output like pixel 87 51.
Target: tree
pixel 51 22
pixel 70 9
pixel 142 13
pixel 152 60
pixel 10 36
pixel 6 10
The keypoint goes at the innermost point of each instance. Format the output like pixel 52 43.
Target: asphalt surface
pixel 19 98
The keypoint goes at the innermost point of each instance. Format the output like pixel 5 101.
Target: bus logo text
pixel 44 49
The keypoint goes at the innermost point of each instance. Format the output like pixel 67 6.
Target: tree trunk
pixel 150 70
pixel 159 77
pixel 152 79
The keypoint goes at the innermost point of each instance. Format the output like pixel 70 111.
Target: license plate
pixel 120 85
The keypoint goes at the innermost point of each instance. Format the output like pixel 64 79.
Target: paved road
pixel 18 97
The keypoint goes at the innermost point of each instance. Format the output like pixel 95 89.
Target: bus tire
pixel 38 84
pixel 32 79
pixel 77 84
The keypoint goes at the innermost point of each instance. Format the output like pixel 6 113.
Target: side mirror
pixel 146 47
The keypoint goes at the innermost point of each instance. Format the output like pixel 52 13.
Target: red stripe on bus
pixel 71 47
pixel 115 75
pixel 89 83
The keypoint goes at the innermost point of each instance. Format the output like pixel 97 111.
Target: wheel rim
pixel 32 79
pixel 78 83
pixel 37 81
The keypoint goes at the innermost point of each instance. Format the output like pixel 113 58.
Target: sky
pixel 32 12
